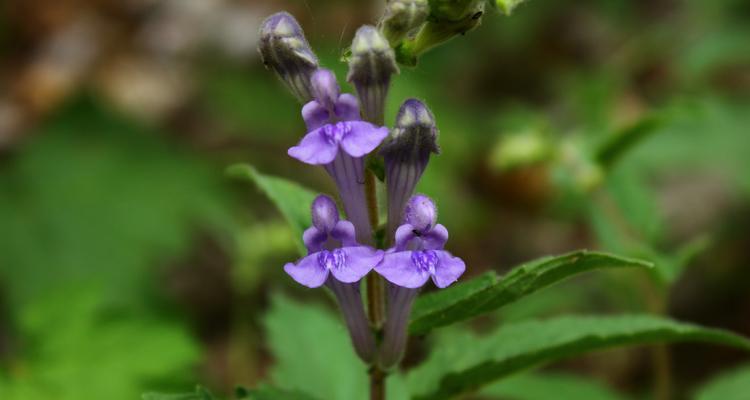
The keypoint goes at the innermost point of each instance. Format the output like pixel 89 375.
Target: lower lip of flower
pixel 425 261
pixel 332 259
pixel 335 132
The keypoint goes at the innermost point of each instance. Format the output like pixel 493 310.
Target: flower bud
pixel 370 68
pixel 420 213
pixel 448 18
pixel 284 49
pixel 325 88
pixel 406 154
pixel 402 17
pixel 325 215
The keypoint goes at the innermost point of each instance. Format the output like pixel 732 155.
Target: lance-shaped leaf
pixel 557 385
pixel 292 200
pixel 490 292
pixel 463 363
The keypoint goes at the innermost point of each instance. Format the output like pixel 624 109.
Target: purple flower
pixel 417 256
pixel 333 123
pixel 418 253
pixel 332 249
pixel 338 140
pixel 338 261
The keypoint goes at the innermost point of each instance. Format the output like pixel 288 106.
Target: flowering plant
pixel 377 271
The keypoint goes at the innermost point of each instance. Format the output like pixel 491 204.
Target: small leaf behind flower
pixel 490 292
pixel 463 362
pixel 292 200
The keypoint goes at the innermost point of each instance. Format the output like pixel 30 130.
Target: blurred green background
pixel 130 262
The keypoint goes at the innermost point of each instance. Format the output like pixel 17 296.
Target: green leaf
pixel 463 362
pixel 84 349
pixel 266 392
pixel 489 292
pixel 292 200
pixel 200 393
pixel 94 197
pixel 732 385
pixel 620 142
pixel 313 353
pixel 558 386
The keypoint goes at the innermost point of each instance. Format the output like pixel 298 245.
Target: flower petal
pixel 448 270
pixel 399 269
pixel 313 239
pixel 436 238
pixel 347 108
pixel 362 138
pixel 315 115
pixel 314 149
pixel 307 271
pixel 345 233
pixel 359 261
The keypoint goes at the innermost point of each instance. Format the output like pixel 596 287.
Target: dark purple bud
pixel 371 66
pixel 421 213
pixel 325 88
pixel 325 215
pixel 407 152
pixel 284 49
pixel 402 18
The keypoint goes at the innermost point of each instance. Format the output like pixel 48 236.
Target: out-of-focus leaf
pixel 507 6
pixel 545 386
pixel 93 197
pixel 266 392
pixel 462 362
pixel 313 354
pixel 79 349
pixel 200 393
pixel 292 200
pixel 731 385
pixel 621 141
pixel 489 292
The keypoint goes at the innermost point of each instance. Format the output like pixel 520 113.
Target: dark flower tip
pixel 284 49
pixel 414 132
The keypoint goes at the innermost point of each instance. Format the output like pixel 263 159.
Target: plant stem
pixel 377 384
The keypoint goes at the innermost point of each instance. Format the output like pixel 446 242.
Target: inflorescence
pixel 342 131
